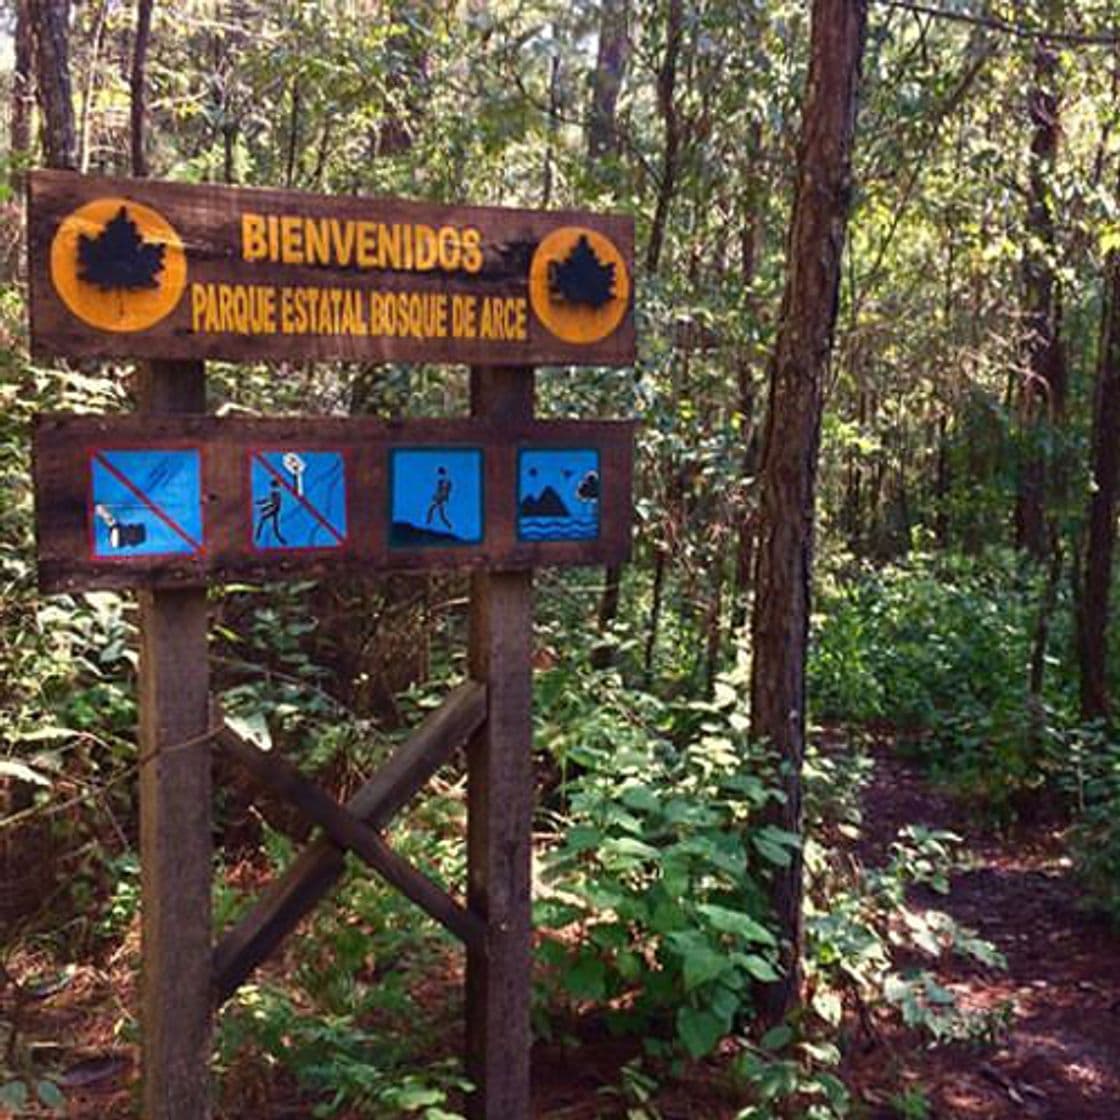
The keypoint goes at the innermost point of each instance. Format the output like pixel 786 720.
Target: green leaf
pixel 13 1095
pixel 20 771
pixel 736 922
pixel 50 1094
pixel 252 726
pixel 587 978
pixel 759 967
pixel 777 1038
pixel 702 966
pixel 698 1030
pixel 827 1004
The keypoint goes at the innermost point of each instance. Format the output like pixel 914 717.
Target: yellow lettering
pixel 317 249
pixel 198 307
pixel 464 311
pixel 342 238
pixel 367 245
pixel 291 240
pixel 449 249
pixel 427 249
pixel 389 246
pixel 472 249
pixel 254 242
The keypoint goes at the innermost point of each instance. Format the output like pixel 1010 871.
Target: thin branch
pixel 1052 35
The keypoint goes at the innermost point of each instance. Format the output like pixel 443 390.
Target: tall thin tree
pixel 1094 607
pixel 50 20
pixel 780 622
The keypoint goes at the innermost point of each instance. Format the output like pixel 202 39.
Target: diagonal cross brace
pixel 319 866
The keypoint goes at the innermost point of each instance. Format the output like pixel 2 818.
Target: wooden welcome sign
pixel 171 500
pixel 135 268
pixel 128 501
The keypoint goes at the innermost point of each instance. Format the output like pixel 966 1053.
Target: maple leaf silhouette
pixel 118 257
pixel 582 278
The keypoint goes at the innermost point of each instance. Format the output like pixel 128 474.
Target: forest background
pixel 961 567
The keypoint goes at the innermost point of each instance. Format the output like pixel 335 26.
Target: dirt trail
pixel 1059 1058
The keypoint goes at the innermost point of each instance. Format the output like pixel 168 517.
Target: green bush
pixel 654 904
pixel 940 648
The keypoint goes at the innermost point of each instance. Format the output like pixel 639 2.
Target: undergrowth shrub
pixel 654 891
pixel 940 648
pixel 1093 779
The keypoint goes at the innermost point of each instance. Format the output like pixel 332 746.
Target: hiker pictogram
pixel 145 502
pixel 436 496
pixel 299 499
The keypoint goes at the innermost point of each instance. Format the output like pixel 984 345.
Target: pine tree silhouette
pixel 582 278
pixel 118 257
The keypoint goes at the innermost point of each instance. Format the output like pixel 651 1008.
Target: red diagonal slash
pixel 129 485
pixel 299 497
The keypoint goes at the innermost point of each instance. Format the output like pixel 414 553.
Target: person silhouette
pixel 270 512
pixel 440 498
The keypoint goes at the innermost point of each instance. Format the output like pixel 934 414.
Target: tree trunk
pixel 23 96
pixel 606 82
pixel 667 106
pixel 88 86
pixel 602 140
pixel 50 21
pixel 136 84
pixel 788 477
pixel 1093 616
pixel 1042 397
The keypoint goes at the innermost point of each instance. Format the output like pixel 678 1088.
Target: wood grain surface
pixel 66 447
pixel 241 273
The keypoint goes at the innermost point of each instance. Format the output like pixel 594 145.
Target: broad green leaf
pixel 738 923
pixel 21 772
pixel 702 966
pixel 698 1030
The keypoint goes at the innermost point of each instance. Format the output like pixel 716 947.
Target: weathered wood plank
pixel 500 795
pixel 123 501
pixel 347 831
pixel 175 835
pixel 264 274
pixel 318 867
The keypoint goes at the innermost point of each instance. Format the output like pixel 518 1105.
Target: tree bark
pixel 1093 616
pixel 1043 394
pixel 667 106
pixel 606 82
pixel 602 140
pixel 137 86
pixel 780 624
pixel 23 96
pixel 88 85
pixel 50 20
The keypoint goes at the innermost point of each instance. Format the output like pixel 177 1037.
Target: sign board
pixel 144 269
pixel 129 500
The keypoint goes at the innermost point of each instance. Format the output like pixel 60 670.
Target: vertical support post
pixel 175 838
pixel 500 806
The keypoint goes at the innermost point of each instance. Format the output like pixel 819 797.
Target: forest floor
pixel 1057 1056
pixel 1053 1052
pixel 1051 1047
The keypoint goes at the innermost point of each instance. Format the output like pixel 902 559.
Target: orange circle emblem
pixel 117 265
pixel 579 286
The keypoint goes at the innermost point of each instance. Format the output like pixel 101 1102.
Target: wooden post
pixel 175 840
pixel 500 802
